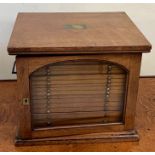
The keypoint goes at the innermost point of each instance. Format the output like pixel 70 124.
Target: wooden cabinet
pixel 77 77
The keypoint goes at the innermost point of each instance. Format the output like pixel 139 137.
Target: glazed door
pixel 71 95
pixel 77 92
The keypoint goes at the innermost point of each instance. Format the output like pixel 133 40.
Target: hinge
pixel 25 101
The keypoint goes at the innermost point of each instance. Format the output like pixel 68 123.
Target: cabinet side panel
pixel 133 81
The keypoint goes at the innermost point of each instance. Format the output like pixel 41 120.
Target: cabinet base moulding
pixel 87 138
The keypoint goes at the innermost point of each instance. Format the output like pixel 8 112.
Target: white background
pixel 143 16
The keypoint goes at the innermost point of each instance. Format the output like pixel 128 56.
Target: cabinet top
pixel 76 33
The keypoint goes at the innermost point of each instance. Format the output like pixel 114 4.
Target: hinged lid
pixel 72 33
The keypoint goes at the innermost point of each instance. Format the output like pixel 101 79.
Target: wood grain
pixel 145 123
pixel 23 112
pixel 46 33
pixel 124 61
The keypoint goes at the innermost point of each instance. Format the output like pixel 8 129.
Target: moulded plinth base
pixel 87 138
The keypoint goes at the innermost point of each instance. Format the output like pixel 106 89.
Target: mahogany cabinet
pixel 77 77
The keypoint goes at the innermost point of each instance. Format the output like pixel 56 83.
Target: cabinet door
pixel 71 95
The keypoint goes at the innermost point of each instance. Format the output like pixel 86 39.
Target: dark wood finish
pixel 145 124
pixel 49 33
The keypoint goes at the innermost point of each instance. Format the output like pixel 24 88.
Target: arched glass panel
pixel 77 92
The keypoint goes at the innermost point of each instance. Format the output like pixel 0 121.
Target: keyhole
pixel 25 101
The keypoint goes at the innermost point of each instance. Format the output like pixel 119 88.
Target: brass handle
pixel 13 68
